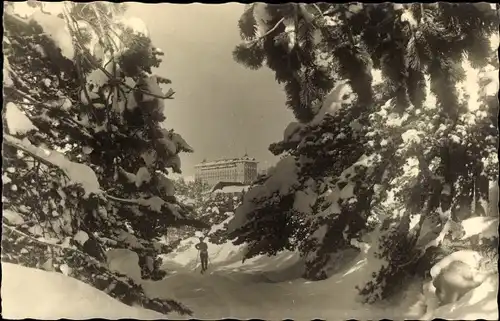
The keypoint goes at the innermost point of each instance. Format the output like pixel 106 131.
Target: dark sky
pixel 221 108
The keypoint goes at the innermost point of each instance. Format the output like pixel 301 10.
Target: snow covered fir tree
pixel 85 155
pixel 396 135
pixel 382 188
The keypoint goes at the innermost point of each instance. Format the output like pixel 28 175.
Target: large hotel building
pixel 237 170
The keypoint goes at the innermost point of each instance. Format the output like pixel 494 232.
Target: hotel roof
pixel 227 161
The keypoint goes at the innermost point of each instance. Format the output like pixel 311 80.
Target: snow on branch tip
pixel 77 173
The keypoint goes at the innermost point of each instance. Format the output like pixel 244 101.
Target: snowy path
pixel 242 294
pixel 270 288
pixel 212 296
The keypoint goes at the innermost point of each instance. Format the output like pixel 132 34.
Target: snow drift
pixel 480 303
pixel 32 293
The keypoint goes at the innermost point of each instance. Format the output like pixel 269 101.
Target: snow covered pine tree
pixel 389 158
pixel 84 148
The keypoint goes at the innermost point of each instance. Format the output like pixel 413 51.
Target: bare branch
pixel 80 74
pixel 319 10
pixel 307 16
pixel 267 33
pixel 121 200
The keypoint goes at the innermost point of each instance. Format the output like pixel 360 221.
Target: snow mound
pixel 37 294
pixel 225 254
pixel 472 258
pixel 480 303
pixel 125 262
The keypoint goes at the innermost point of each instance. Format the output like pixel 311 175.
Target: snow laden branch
pixel 77 173
pixel 83 175
pixel 182 215
pixel 26 99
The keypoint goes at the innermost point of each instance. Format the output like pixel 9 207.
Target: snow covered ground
pixel 265 288
pixel 257 290
pixel 271 288
pixel 32 293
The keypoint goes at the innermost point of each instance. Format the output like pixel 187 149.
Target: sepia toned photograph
pixel 270 161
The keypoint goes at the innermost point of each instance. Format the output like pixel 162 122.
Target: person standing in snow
pixel 202 247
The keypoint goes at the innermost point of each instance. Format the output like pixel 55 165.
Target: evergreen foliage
pixel 404 157
pixel 85 152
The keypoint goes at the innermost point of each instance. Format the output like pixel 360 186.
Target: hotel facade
pixel 237 170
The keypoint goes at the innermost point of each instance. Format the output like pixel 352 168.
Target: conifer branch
pixel 168 95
